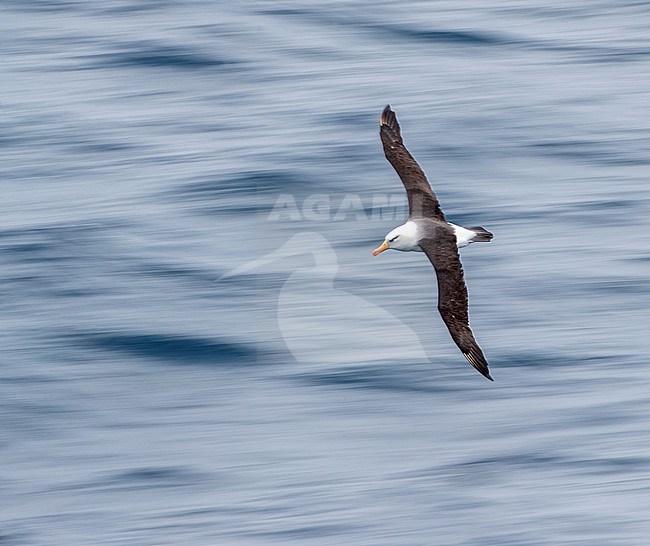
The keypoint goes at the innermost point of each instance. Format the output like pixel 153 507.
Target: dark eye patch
pixel 393 239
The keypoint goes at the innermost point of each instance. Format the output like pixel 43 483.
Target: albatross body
pixel 428 231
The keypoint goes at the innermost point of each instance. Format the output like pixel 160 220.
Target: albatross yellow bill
pixel 379 250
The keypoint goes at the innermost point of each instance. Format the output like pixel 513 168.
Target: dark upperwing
pixel 441 250
pixel 422 201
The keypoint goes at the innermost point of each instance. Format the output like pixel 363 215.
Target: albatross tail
pixel 482 235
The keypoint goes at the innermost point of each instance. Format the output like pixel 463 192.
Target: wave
pixel 156 55
pixel 172 348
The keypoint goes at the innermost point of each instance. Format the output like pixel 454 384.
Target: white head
pixel 404 238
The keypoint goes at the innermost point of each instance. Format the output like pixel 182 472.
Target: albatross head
pixel 404 238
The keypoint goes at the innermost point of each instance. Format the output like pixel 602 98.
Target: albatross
pixel 427 230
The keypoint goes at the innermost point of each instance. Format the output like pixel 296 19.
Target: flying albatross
pixel 426 230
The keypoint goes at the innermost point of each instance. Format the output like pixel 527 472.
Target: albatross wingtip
pixel 479 364
pixel 388 117
pixel 388 122
pixel 383 119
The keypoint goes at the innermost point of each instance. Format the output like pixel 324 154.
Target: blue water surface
pixel 165 381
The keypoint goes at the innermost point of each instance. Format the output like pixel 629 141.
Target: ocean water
pixel 198 346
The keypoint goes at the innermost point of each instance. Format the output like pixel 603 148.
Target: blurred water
pixel 144 148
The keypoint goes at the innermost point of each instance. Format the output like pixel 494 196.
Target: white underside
pixel 409 237
pixel 463 238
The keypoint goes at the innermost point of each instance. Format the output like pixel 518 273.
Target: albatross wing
pixel 440 248
pixel 422 201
